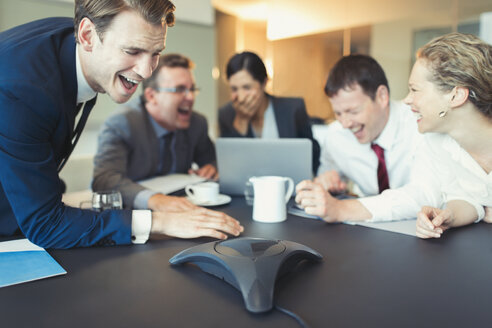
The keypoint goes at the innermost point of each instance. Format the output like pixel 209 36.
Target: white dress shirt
pixel 141 220
pixel 357 162
pixel 443 171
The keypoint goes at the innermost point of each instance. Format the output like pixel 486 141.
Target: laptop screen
pixel 238 159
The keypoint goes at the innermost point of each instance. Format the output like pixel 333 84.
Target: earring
pixel 443 113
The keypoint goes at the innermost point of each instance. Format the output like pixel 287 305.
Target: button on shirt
pixel 443 171
pixel 343 153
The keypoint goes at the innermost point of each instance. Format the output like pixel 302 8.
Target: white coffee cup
pixel 205 192
pixel 271 197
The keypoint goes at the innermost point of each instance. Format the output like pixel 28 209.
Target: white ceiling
pixel 287 18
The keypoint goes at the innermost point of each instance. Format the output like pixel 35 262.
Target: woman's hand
pixel 247 106
pixel 432 222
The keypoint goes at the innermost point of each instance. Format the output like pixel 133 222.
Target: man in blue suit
pixel 49 70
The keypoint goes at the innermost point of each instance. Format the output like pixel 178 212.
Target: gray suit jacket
pixel 290 115
pixel 128 151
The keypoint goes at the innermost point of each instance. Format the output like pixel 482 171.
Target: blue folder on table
pixel 21 261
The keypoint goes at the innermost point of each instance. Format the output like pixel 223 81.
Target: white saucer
pixel 221 200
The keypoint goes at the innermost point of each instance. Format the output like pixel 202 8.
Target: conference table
pixel 368 278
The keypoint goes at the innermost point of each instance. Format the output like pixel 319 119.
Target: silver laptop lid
pixel 238 159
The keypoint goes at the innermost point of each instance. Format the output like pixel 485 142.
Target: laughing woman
pixel 451 183
pixel 254 113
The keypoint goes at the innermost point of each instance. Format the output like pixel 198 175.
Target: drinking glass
pixel 249 194
pixel 106 200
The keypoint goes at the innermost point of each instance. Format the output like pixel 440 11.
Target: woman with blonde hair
pixel 450 92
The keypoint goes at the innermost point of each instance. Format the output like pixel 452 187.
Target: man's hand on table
pixel 315 200
pixel 165 203
pixel 194 223
pixel 331 181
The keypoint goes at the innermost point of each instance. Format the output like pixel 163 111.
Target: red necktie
pixel 383 180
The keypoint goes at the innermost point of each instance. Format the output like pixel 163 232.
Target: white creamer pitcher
pixel 270 198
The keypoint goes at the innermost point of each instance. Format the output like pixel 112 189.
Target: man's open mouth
pixel 184 111
pixel 128 83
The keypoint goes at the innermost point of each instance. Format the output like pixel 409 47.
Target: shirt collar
pixel 389 133
pixel 460 155
pixel 159 130
pixel 84 91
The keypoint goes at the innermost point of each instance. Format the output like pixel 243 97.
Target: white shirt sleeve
pixel 326 161
pixel 141 225
pixel 399 204
pixel 405 202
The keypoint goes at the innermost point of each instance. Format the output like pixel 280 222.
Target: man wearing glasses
pixel 160 135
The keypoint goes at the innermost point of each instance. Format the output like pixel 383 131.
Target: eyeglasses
pixel 181 90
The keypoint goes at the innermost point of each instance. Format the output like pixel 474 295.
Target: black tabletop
pixel 368 278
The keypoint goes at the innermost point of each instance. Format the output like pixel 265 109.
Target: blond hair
pixel 458 59
pixel 102 12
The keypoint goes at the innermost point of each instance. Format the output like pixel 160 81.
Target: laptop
pixel 238 159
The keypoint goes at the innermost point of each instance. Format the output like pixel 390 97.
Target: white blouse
pixel 270 129
pixel 442 171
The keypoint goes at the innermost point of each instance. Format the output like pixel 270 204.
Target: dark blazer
pixel 290 115
pixel 128 151
pixel 38 92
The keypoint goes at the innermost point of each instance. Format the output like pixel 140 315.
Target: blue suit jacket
pixel 290 115
pixel 38 92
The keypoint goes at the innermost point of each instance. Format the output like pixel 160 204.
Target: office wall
pixel 225 44
pixel 392 47
pixel 301 66
pixel 194 40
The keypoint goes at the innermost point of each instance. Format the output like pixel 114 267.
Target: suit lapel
pixel 282 126
pixel 69 76
pixel 153 151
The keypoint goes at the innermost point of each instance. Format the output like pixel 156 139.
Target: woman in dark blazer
pixel 254 113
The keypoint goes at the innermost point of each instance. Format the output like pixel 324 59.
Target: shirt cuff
pixel 142 199
pixel 141 225
pixel 378 206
